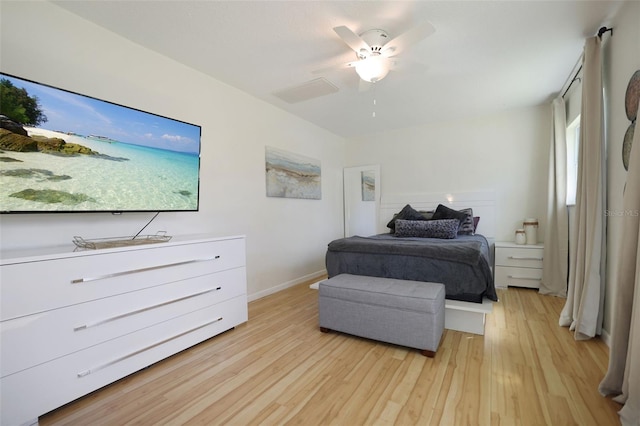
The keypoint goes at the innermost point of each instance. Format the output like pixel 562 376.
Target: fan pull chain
pixel 374 94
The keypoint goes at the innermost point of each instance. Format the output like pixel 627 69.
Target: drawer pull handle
pixel 139 351
pixel 139 311
pixel 525 258
pixel 523 278
pixel 136 271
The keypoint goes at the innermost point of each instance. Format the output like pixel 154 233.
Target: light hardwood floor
pixel 280 369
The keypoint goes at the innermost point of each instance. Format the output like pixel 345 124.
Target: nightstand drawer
pixel 517 277
pixel 519 257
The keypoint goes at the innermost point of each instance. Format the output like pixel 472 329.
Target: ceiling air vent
pixel 309 90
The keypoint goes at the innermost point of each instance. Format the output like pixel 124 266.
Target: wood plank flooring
pixel 280 369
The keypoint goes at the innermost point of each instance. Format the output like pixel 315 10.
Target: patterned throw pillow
pixel 467 226
pixel 443 228
pixel 407 213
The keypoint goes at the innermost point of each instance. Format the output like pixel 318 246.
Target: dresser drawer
pixel 506 276
pixel 34 339
pixel 32 392
pixel 519 257
pixel 34 287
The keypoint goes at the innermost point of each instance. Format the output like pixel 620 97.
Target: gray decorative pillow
pixel 465 216
pixel 428 215
pixel 443 228
pixel 407 213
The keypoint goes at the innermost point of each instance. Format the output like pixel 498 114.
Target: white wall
pixel 286 238
pixel 506 153
pixel 621 60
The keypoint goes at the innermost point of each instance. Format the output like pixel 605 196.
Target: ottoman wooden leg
pixel 428 353
pixel 325 330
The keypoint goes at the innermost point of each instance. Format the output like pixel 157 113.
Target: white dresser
pixel 518 265
pixel 73 322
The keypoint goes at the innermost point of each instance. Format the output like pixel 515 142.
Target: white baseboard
pixel 280 287
pixel 316 285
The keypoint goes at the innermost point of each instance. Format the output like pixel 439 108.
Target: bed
pixel 463 264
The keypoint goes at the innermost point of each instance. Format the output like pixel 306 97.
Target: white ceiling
pixel 485 56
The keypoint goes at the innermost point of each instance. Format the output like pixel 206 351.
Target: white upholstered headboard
pixel 482 203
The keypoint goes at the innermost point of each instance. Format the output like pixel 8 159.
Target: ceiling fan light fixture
pixel 373 68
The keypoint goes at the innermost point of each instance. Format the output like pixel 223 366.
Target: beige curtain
pixel 623 376
pixel 556 236
pixel 585 296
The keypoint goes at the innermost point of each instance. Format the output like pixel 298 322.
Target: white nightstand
pixel 518 265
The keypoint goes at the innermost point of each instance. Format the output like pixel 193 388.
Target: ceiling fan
pixel 376 53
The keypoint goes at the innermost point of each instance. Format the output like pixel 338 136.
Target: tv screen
pixel 65 152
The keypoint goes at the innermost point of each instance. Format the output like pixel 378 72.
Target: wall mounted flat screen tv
pixel 65 152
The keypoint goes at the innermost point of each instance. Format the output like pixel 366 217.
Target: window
pixel 573 142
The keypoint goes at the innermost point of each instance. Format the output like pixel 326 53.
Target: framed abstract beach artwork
pixel 290 175
pixel 368 185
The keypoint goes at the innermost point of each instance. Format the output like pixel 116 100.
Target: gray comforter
pixel 461 264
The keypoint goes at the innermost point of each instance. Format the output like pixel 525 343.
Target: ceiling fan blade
pixel 334 68
pixel 406 39
pixel 352 39
pixel 330 69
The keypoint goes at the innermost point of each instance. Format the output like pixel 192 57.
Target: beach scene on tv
pixel 61 151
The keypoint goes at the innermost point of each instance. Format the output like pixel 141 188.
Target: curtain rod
pixel 575 77
pixel 601 31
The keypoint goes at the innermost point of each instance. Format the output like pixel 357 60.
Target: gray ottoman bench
pixel 406 313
